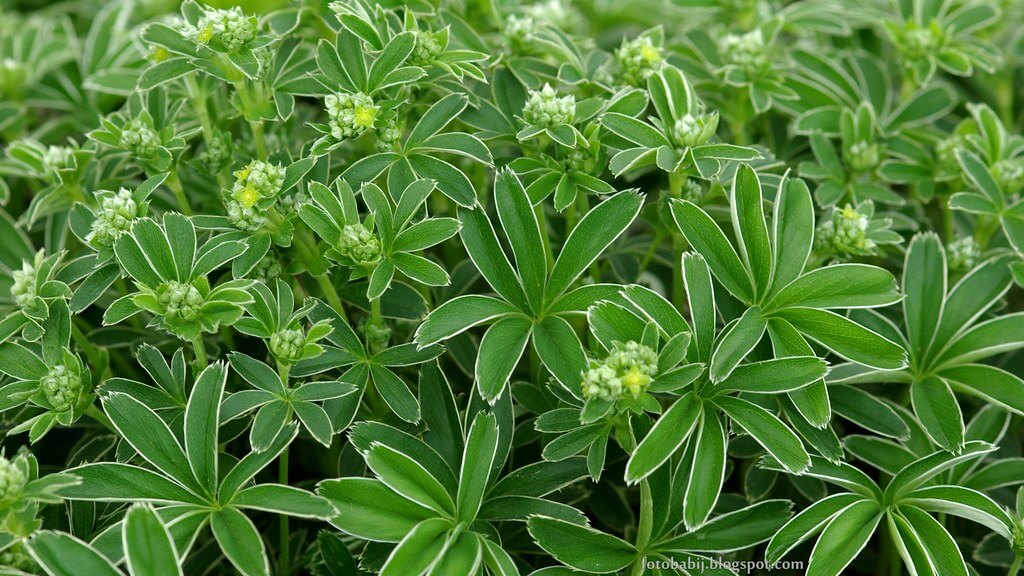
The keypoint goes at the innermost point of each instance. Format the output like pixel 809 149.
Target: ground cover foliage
pixel 480 287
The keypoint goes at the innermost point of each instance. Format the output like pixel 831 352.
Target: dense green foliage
pixel 459 288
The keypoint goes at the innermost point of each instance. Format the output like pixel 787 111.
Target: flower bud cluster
pixel 626 372
pixel 259 180
pixel 12 480
pixel 179 301
pixel 23 290
pixel 690 130
pixel 57 158
pixel 115 216
pixel 360 245
pixel 863 156
pixel 215 155
pixel 428 48
pixel 287 345
pixel 228 29
pixel 639 58
pixel 962 254
pixel 350 115
pixel 746 51
pixel 139 138
pixel 62 386
pixel 544 108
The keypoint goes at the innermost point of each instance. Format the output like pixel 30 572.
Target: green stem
pixel 1016 565
pixel 327 287
pixel 284 546
pixel 174 183
pixel 199 103
pixel 93 412
pixel 199 347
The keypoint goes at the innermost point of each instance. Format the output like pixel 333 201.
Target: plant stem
pixel 327 287
pixel 199 347
pixel 96 414
pixel 1016 565
pixel 174 183
pixel 284 542
pixel 199 103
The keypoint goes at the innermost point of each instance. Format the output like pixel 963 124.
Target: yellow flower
pixel 365 115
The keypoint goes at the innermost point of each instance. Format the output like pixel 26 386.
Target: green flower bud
pixel 377 337
pixel 226 29
pixel 115 217
pixel 746 51
pixel 427 49
pixel 388 137
pixel 945 152
pixel 692 191
pixel 249 219
pixel 546 109
pixel 851 231
pixel 23 290
pixel 1009 173
pixel 824 238
pixel 58 158
pixel 963 254
pixel 639 58
pixel 553 12
pixel 350 115
pixel 360 245
pixel 16 557
pixel 520 30
pixel 267 269
pixel 863 156
pixel 12 480
pixel 691 131
pixel 917 43
pixel 139 138
pixel 257 181
pixel 61 386
pixel 179 301
pixel 626 372
pixel 286 345
pixel 216 154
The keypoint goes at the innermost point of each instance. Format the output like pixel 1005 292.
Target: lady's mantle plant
pixel 512 288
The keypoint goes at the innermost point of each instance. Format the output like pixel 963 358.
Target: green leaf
pixel 792 231
pixel 591 237
pixel 148 546
pixel 64 555
pixel 460 314
pixel 843 538
pixel 407 477
pixel 500 351
pixel 368 509
pixel 637 132
pixel 481 242
pixel 668 434
pixel 839 286
pixel 750 228
pixel 764 427
pixel 281 499
pixel 805 525
pixel 19 362
pixel 419 549
pixel 114 482
pixel 924 286
pixel 705 236
pixel 477 461
pixel 150 436
pixel 736 530
pixel 736 341
pixel 939 544
pixel 202 422
pixel 581 547
pixel 938 411
pixel 240 541
pixel 846 338
pixel 994 385
pixel 707 471
pixel 777 375
pixel 524 234
pixel 560 350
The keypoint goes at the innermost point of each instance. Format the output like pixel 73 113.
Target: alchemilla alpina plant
pixel 541 288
